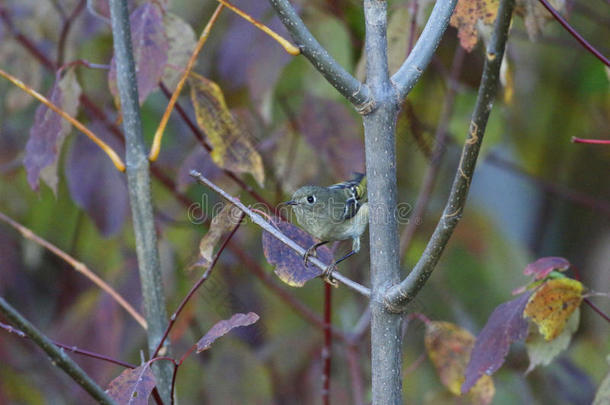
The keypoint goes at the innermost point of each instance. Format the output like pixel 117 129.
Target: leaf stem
pixel 118 162
pixel 156 144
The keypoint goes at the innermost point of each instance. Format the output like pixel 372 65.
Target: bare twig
pixel 140 199
pixel 196 286
pixel 260 221
pixel 351 354
pixel 591 141
pixel 72 349
pixel 415 64
pixel 65 30
pixel 78 266
pixel 57 355
pixel 357 93
pixel 597 309
pixel 404 292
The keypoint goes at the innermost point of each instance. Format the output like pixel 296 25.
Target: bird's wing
pixel 355 193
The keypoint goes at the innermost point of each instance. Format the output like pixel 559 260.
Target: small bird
pixel 332 213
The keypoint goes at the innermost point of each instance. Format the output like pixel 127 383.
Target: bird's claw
pixel 327 276
pixel 309 252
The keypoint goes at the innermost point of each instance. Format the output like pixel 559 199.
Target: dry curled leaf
pixel 221 225
pixel 449 347
pixel 289 266
pixel 133 386
pixel 230 140
pixel 552 304
pixel 223 327
pixel 466 17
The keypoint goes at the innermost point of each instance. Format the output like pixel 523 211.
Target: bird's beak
pixel 291 202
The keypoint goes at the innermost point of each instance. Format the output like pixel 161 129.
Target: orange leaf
pixel 466 16
pixel 552 304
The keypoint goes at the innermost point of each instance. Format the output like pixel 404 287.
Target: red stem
pixel 328 340
pixel 198 284
pixel 591 141
pixel 72 349
pixel 574 33
pixel 597 309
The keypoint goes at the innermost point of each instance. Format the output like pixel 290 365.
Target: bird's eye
pixel 311 199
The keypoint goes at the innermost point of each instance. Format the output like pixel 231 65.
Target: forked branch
pixel 404 292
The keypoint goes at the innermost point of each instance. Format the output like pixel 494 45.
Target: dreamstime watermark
pixel 333 211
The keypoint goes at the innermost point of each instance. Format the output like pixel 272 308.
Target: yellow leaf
pixel 449 347
pixel 466 15
pixel 552 304
pixel 231 146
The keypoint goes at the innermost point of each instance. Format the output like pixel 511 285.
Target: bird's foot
pixel 311 252
pixel 327 275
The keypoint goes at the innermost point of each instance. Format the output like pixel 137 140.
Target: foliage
pixel 261 123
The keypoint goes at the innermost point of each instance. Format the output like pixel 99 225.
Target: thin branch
pixel 351 88
pixel 575 33
pixel 78 266
pixel 328 342
pixel 260 221
pixel 65 30
pixel 439 149
pixel 57 355
pixel 404 292
pixel 140 199
pixel 351 354
pixel 597 309
pixel 591 141
pixel 196 286
pixel 566 193
pixel 72 349
pixel 288 47
pixel 415 64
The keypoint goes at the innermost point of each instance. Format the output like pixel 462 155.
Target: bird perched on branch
pixel 332 213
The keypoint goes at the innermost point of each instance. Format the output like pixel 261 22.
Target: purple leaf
pixel 223 327
pixel 133 386
pixel 289 265
pixel 247 55
pixel 150 49
pixel 505 326
pixel 330 128
pixel 49 132
pixel 95 185
pixel 543 266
